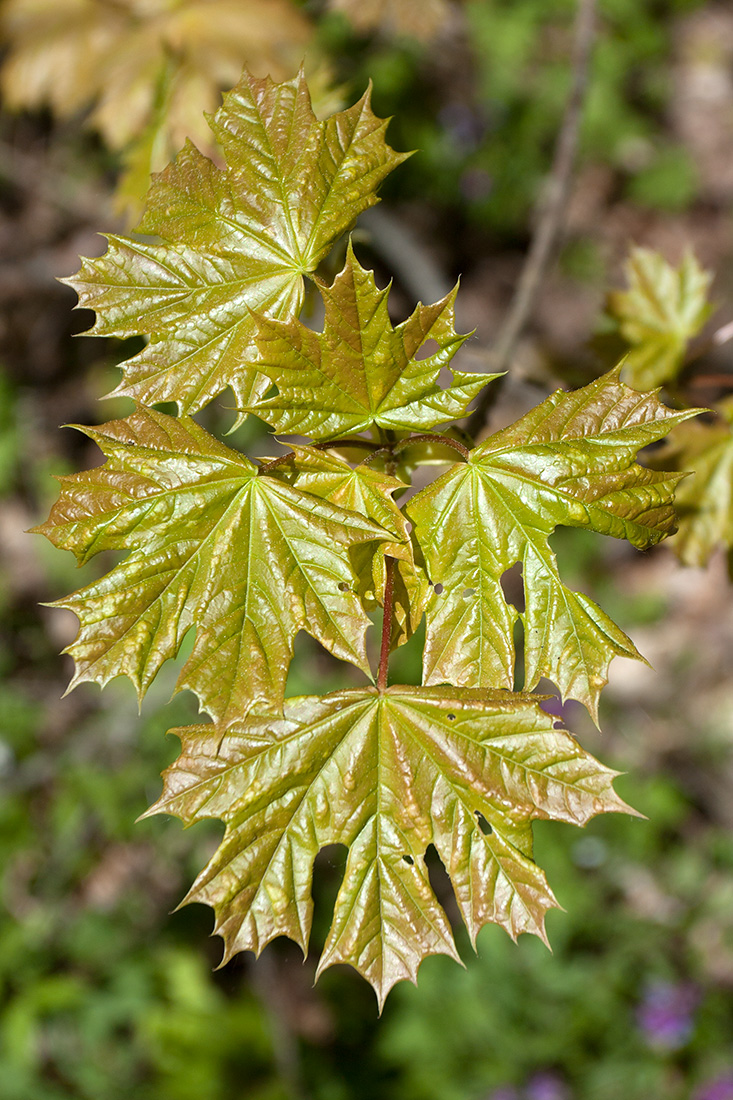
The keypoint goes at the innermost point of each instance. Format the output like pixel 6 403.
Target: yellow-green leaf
pixel 234 240
pixel 387 774
pixel 705 497
pixel 361 372
pixel 244 558
pixel 663 308
pixel 567 462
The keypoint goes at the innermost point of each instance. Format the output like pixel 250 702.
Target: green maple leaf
pixel 659 314
pixel 387 774
pixel 360 372
pixel 705 497
pixel 567 462
pixel 246 559
pixel 234 240
pixel 369 492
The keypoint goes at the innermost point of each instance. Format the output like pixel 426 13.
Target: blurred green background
pixel 105 992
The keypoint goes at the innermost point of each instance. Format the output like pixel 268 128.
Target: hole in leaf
pixel 483 824
pixel 408 527
pixel 442 886
pixel 427 349
pixel 328 872
pixel 469 592
pixel 408 859
pixel 343 586
pixel 438 589
pixel 451 717
pixel 513 586
pixel 273 391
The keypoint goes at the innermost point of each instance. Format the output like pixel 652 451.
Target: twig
pixel 550 222
pixel 433 437
pixel 389 565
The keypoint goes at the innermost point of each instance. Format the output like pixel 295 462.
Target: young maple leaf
pixel 387 774
pixel 369 492
pixel 567 462
pixel 663 308
pixel 360 372
pixel 234 240
pixel 705 498
pixel 246 559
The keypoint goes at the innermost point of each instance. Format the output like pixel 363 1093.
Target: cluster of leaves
pixel 660 314
pixel 249 554
pixel 149 69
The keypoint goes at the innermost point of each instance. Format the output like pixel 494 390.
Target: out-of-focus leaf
pixel 704 499
pixel 369 492
pixel 567 462
pixel 149 68
pixel 421 19
pixel 387 774
pixel 234 240
pixel 360 372
pixel 244 558
pixel 663 308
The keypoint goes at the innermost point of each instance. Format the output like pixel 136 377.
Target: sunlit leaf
pixel 234 240
pixel 421 19
pixel 567 462
pixel 387 774
pixel 244 558
pixel 361 372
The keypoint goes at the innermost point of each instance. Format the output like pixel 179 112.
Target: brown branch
pixel 551 219
pixel 389 565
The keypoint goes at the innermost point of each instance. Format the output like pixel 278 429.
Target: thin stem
pixel 325 446
pixel 389 565
pixel 550 222
pixel 434 437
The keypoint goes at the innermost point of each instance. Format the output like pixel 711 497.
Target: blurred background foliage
pixel 105 993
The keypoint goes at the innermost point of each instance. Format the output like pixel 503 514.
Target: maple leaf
pixel 659 314
pixel 246 559
pixel 234 240
pixel 704 498
pixel 387 774
pixel 360 372
pixel 567 462
pixel 368 492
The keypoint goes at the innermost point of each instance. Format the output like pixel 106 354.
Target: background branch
pixel 555 199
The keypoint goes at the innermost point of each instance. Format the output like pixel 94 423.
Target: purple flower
pixel 547 1086
pixel 666 1015
pixel 721 1088
pixel 504 1092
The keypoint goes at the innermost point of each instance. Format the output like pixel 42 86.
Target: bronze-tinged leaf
pixel 360 372
pixel 705 497
pixel 234 240
pixel 244 558
pixel 568 462
pixel 387 774
pixel 369 492
pixel 663 308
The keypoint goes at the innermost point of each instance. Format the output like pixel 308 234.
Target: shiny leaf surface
pixel 234 240
pixel 387 774
pixel 568 462
pixel 245 559
pixel 360 372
